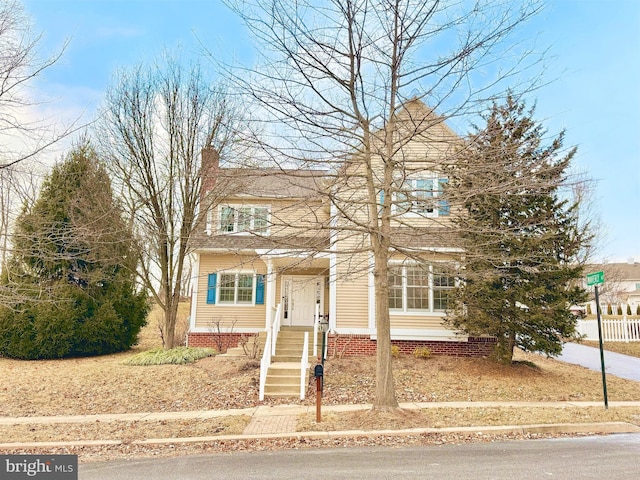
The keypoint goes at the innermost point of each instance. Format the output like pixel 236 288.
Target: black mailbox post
pixel 318 372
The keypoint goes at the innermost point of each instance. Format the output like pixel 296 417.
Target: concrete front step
pixel 249 348
pixel 283 376
pixel 283 379
pixel 281 391
pixel 284 368
pixel 287 358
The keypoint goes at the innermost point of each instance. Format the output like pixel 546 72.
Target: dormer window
pixel 244 219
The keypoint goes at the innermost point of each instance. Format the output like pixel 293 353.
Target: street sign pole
pixel 604 375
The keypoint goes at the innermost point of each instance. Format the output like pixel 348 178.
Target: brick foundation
pixel 360 345
pixel 220 341
pixel 355 345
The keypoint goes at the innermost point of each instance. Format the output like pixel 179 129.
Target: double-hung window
pixel 235 288
pixel 420 288
pixel 443 284
pixel 244 219
pixel 422 197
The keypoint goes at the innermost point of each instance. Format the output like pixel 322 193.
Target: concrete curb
pixel 563 428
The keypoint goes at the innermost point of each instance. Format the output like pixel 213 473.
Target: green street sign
pixel 595 278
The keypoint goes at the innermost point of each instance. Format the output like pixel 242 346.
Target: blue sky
pixel 594 71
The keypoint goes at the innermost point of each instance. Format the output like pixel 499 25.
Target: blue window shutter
pixel 443 205
pixel 211 288
pixel 259 289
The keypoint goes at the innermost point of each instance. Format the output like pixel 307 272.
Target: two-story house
pixel 294 239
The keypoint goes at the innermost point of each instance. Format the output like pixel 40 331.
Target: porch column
pixel 333 270
pixel 270 293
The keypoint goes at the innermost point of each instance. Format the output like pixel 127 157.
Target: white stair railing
pixel 275 328
pixel 265 363
pixel 269 349
pixel 304 366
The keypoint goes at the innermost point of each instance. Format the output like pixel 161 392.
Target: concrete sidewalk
pixel 284 410
pixel 280 422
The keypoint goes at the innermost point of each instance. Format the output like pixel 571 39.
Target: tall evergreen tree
pixel 521 234
pixel 72 271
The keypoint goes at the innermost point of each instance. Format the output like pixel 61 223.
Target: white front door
pixel 301 293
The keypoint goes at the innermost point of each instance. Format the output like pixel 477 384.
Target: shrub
pixel 619 309
pixel 609 309
pixel 422 352
pixel 78 324
pixel 69 286
pixel 638 310
pixel 395 351
pixel 174 356
pixel 589 312
pixel 628 309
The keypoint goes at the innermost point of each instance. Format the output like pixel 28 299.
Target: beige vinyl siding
pixel 244 316
pixel 352 292
pixel 352 304
pixel 422 156
pixel 417 322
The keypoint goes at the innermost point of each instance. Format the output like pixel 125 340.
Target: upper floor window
pixel 242 218
pixel 422 197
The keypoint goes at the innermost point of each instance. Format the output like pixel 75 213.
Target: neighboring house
pixel 621 285
pixel 275 239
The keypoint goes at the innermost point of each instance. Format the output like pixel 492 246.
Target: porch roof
pixel 255 242
pixel 434 238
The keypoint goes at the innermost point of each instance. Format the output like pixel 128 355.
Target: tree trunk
pixel 170 317
pixel 504 348
pixel 385 392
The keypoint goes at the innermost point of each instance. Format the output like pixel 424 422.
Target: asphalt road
pixel 614 457
pixel 616 364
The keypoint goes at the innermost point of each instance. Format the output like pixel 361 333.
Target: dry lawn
pixel 630 348
pixel 465 417
pixel 81 386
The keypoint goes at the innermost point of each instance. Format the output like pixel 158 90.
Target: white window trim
pixel 434 178
pixel 431 312
pixel 235 302
pixel 236 207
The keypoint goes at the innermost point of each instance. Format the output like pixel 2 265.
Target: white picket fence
pixel 613 329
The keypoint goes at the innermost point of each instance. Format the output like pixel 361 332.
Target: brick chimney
pixel 209 167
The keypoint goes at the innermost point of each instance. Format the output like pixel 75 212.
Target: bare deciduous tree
pixel 22 134
pixel 340 85
pixel 156 122
pixel 18 189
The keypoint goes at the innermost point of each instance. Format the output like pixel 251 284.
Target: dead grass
pixel 465 417
pixel 630 348
pixel 449 379
pixel 126 431
pixel 98 385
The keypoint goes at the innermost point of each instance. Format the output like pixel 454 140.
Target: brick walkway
pixel 271 424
